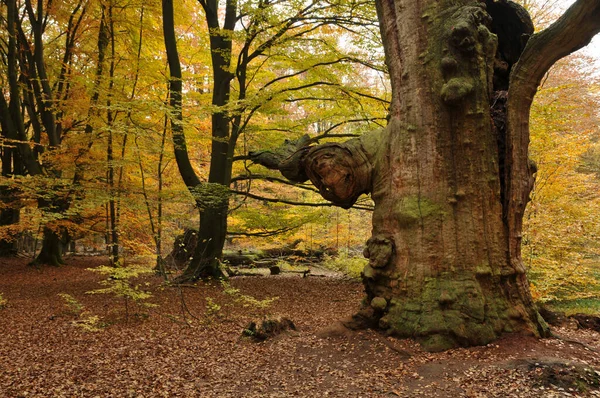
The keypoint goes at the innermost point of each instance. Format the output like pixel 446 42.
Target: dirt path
pixel 190 345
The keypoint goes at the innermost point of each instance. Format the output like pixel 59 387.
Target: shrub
pixel 349 265
pixel 119 283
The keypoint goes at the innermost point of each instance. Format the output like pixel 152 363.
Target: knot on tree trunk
pixel 379 251
pixel 468 38
pixel 341 172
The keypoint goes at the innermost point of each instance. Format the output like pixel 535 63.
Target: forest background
pixel 85 94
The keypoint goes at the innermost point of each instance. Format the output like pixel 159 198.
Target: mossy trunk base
pixel 455 311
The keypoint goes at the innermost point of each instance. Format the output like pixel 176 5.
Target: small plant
pixel 3 302
pixel 212 308
pixel 83 319
pixel 245 300
pixel 90 323
pixel 73 306
pixel 349 265
pixel 118 283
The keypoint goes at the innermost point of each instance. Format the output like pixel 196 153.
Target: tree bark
pixel 569 33
pixel 27 59
pixel 213 213
pixel 52 247
pixel 10 213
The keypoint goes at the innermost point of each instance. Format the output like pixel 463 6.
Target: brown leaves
pixel 43 354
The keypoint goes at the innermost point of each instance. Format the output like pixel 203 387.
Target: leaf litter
pixel 191 344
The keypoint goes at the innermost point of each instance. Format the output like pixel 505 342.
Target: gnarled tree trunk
pixel 439 269
pixel 450 175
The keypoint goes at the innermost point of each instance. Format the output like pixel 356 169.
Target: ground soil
pixel 191 345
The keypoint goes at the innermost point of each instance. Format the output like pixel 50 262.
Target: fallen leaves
pixel 184 350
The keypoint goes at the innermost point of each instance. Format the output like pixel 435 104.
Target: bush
pixel 119 284
pixel 349 265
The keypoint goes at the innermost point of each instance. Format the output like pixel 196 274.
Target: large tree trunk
pixel 445 264
pixel 450 175
pixel 439 268
pixel 52 246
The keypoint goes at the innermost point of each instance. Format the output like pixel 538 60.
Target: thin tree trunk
pixel 10 212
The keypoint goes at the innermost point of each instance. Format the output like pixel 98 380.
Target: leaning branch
pixel 294 203
pixel 264 234
pixel 273 179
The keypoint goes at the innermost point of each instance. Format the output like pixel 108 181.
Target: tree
pixel 450 174
pixel 264 29
pixel 30 115
pixel 561 226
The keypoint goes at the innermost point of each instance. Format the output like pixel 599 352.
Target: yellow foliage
pixel 561 226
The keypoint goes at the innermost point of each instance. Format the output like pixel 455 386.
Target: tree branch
pixel 264 234
pixel 290 202
pixel 273 179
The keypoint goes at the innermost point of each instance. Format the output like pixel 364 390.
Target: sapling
pixel 119 283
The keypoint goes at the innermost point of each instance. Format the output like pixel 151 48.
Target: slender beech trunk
pixel 113 222
pixel 213 213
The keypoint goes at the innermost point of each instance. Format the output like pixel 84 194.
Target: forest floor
pixel 190 345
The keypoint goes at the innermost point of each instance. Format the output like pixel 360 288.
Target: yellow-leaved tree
pixel 561 228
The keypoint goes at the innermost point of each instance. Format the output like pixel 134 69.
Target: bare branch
pixel 264 234
pixel 294 203
pixel 273 179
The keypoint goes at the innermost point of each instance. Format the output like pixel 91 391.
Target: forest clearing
pixel 191 344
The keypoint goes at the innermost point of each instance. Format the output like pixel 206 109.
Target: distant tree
pixel 32 102
pixel 561 226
